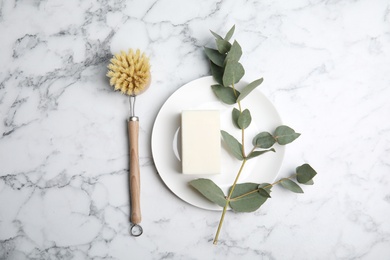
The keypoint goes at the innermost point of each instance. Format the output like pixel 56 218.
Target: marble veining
pixel 63 142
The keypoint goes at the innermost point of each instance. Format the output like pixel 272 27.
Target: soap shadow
pixel 177 145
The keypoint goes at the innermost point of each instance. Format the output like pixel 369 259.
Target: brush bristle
pixel 129 72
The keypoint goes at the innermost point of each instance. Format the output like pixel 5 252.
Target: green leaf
pixel 305 173
pixel 226 94
pixel 290 185
pixel 217 72
pixel 285 135
pixel 217 36
pixel 264 140
pixel 248 203
pixel 214 56
pixel 248 89
pixel 244 119
pixel 264 193
pixel 235 114
pixel 223 46
pixel 265 186
pixel 210 190
pixel 230 33
pixel 234 71
pixel 311 182
pixel 235 146
pixel 235 53
pixel 257 153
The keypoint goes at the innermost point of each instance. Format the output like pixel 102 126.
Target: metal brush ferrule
pixel 132 108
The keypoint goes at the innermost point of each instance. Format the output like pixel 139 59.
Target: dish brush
pixel 129 73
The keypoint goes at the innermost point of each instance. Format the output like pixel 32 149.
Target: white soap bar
pixel 201 142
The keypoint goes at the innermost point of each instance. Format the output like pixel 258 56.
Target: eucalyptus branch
pixel 244 197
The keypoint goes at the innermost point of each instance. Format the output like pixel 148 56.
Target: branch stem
pixel 227 202
pixel 242 130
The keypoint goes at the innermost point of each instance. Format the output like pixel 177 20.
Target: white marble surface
pixel 63 144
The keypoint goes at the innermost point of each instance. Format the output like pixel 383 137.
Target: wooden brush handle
pixel 134 177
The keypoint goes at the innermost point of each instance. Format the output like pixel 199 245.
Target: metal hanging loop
pixel 136 230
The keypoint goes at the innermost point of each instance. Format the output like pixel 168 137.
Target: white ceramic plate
pixel 198 95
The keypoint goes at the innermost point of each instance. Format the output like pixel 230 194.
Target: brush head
pixel 129 72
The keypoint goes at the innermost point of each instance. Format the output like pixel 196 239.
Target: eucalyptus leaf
pixel 311 182
pixel 290 185
pixel 217 36
pixel 244 119
pixel 266 186
pixel 235 146
pixel 235 53
pixel 223 46
pixel 257 153
pixel 264 193
pixel 235 114
pixel 230 33
pixel 264 140
pixel 210 190
pixel 305 173
pixel 226 94
pixel 248 89
pixel 234 71
pixel 214 56
pixel 247 203
pixel 285 135
pixel 217 72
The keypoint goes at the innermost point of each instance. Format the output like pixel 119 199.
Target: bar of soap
pixel 201 142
